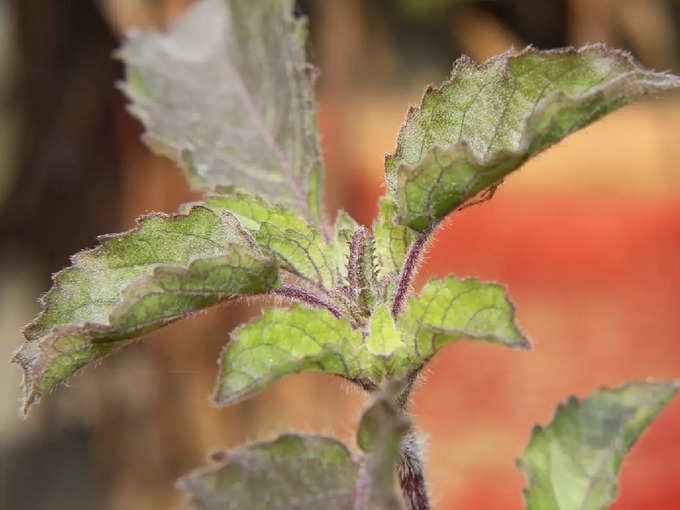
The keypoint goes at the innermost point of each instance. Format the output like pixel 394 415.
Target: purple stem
pixel 408 272
pixel 411 476
pixel 304 296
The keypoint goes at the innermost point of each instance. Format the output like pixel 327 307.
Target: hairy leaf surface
pixel 137 281
pixel 393 347
pixel 574 461
pixel 453 309
pixel 293 471
pixel 299 246
pixel 362 274
pixel 345 226
pixel 288 341
pixel 227 92
pixel 392 240
pixel 488 119
pixel 307 472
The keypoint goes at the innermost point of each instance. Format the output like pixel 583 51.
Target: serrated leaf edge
pixel 526 343
pixel 28 351
pixel 521 152
pixel 673 384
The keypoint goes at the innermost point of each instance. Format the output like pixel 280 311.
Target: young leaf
pixel 306 472
pixel 293 471
pixel 488 119
pixel 345 226
pixel 300 247
pixel 392 240
pixel 287 341
pixel 452 309
pixel 227 92
pixel 362 275
pixel 574 461
pixel 134 282
pixel 384 339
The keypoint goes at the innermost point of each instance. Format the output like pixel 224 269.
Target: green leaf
pixel 227 92
pixel 384 339
pixel 573 462
pixel 445 311
pixel 392 240
pixel 452 309
pixel 288 341
pixel 134 282
pixel 293 471
pixel 306 472
pixel 303 253
pixel 252 211
pixel 488 119
pixel 300 247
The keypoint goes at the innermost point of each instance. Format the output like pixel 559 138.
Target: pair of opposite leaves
pixel 228 93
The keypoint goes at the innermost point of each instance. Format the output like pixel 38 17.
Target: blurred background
pixel 586 237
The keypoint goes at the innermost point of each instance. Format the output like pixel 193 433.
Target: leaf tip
pixel 25 357
pixel 525 344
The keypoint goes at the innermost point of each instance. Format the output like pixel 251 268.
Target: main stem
pixel 410 470
pixel 411 474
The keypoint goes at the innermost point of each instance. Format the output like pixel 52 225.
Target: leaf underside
pixel 227 93
pixel 306 472
pixel 137 281
pixel 574 461
pixel 488 119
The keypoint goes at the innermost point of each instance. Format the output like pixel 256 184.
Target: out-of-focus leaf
pixel 573 463
pixel 288 341
pixel 228 93
pixel 488 119
pixel 381 431
pixel 164 269
pixel 301 472
pixel 307 472
pixel 427 10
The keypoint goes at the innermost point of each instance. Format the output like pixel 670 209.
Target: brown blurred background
pixel 587 238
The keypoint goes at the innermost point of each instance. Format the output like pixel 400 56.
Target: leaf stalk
pixel 303 296
pixel 408 271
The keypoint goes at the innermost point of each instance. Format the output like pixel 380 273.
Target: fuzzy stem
pixel 303 296
pixel 411 475
pixel 403 398
pixel 408 271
